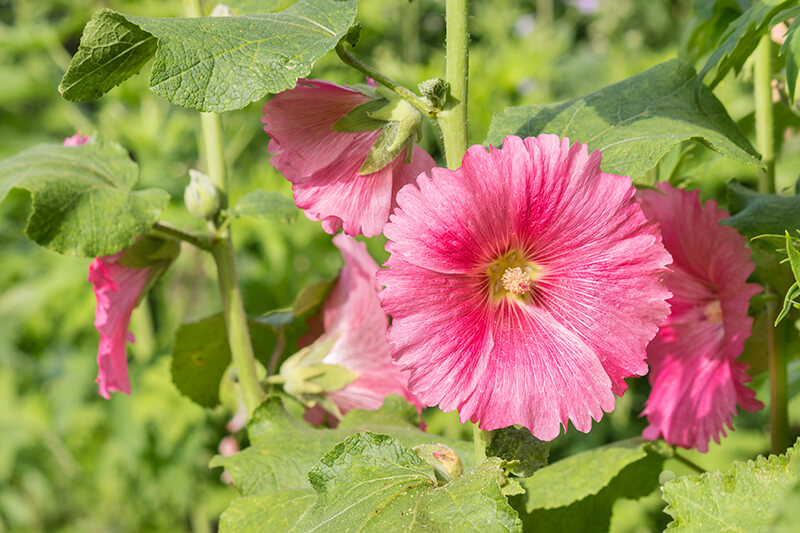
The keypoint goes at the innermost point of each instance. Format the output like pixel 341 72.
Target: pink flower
pixel 323 164
pixel 697 381
pixel 76 140
pixel 117 289
pixel 353 317
pixel 524 286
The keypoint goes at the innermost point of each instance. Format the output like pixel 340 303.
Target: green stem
pixel 232 303
pixel 401 91
pixel 453 118
pixel 691 464
pixel 479 441
pixel 765 143
pixel 165 230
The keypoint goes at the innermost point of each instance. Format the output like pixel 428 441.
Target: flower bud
pixel 442 458
pixel 201 196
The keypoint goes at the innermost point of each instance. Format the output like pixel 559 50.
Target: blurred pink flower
pixel 524 286
pixel 323 164
pixel 76 140
pixel 117 289
pixel 353 317
pixel 697 381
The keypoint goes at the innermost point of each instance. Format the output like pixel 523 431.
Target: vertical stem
pixel 479 441
pixel 762 79
pixel 222 250
pixel 453 119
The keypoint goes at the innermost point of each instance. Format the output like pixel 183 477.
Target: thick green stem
pixel 453 118
pixel 222 249
pixel 165 230
pixel 765 143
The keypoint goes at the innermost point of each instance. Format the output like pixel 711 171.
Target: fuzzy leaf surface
pixel 274 512
pixel 372 482
pixel 756 214
pixel 517 444
pixel 743 499
pixel 81 198
pixel 208 63
pixel 268 205
pixel 635 122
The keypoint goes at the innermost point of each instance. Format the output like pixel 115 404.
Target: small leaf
pixel 517 444
pixel 273 512
pixel 373 483
pixel 743 499
pixel 791 47
pixel 794 257
pixel 359 119
pixel 788 302
pixel 635 122
pixel 267 205
pixel 82 202
pixel 758 214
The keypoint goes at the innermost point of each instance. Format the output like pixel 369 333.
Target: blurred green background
pixel 71 461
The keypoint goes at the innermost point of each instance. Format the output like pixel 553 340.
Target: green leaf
pixel 283 449
pixel 372 482
pixel 267 205
pixel 788 302
pixel 791 47
pixel 635 122
pixel 788 511
pixel 741 38
pixel 578 493
pixel 208 63
pixel 743 499
pixel 200 355
pixel 253 7
pixel 275 512
pixel 82 202
pixel 517 444
pixel 794 257
pixel 758 214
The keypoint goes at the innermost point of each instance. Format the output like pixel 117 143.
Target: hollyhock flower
pixel 354 337
pixel 324 164
pixel 697 381
pixel 76 140
pixel 117 289
pixel 524 286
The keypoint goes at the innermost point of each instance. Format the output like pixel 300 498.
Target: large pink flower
pixel 353 317
pixel 323 164
pixel 117 289
pixel 697 381
pixel 524 286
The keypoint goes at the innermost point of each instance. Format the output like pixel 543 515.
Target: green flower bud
pixel 201 196
pixel 442 458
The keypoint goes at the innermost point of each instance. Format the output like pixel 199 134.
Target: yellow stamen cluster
pixel 713 312
pixel 516 281
pixel 512 275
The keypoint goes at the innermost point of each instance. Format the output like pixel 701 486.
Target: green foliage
pixel 743 499
pixel 741 38
pixel 517 444
pixel 208 63
pixel 372 482
pixel 756 214
pixel 268 205
pixel 791 47
pixel 272 512
pixel 635 122
pixel 76 191
pixel 578 493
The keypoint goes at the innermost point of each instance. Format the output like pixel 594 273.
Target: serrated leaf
pixel 267 205
pixel 213 63
pixel 788 511
pixel 635 122
pixel 743 499
pixel 517 444
pixel 372 482
pixel 741 38
pixel 200 355
pixel 82 202
pixel 283 449
pixel 758 214
pixel 579 492
pixel 275 512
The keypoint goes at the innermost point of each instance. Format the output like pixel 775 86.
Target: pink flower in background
pixel 353 316
pixel 117 289
pixel 323 164
pixel 76 140
pixel 524 286
pixel 697 381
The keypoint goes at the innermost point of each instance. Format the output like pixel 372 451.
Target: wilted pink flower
pixel 323 164
pixel 76 140
pixel 117 289
pixel 524 286
pixel 353 317
pixel 697 381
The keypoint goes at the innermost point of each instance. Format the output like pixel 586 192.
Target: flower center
pixel 713 312
pixel 512 275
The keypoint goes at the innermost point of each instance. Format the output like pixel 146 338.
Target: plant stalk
pixel 453 118
pixel 765 143
pixel 222 250
pixel 166 230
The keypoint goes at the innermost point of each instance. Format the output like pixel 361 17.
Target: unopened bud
pixel 221 10
pixel 201 196
pixel 442 458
